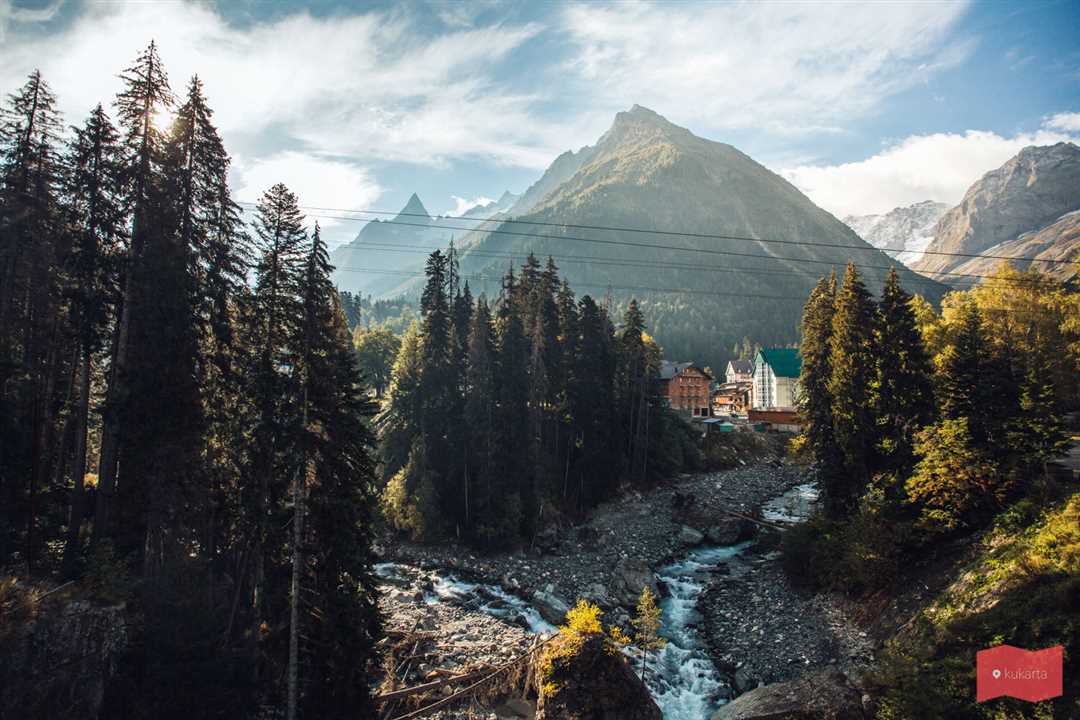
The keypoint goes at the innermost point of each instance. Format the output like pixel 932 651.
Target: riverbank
pixel 753 625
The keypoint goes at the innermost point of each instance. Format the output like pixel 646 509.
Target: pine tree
pixel 592 406
pixel 517 506
pixel 146 93
pixel 276 312
pixel 332 508
pixel 903 397
pixel 960 385
pixel 95 217
pixel 1038 433
pixel 815 400
pixel 479 418
pixel 851 356
pixel 633 390
pixel 29 296
pixel 646 624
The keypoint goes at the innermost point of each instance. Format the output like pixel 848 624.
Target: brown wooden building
pixel 685 386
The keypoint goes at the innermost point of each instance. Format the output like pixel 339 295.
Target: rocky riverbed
pixel 754 625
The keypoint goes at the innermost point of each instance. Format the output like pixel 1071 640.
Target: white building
pixel 776 379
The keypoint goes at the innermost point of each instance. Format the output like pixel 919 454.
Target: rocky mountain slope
pixel 1029 193
pixel 906 230
pixel 482 212
pixel 647 173
pixel 1060 240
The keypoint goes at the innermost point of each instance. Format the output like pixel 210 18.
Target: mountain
pixel 1060 240
pixel 387 252
pixel 908 230
pixel 495 207
pixel 646 173
pixel 1029 193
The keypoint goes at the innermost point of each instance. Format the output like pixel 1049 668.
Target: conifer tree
pixel 512 435
pixel 962 374
pixel 146 93
pixel 1039 433
pixel 815 400
pixel 95 218
pixel 633 390
pixel 903 397
pixel 479 416
pixel 29 295
pixel 851 356
pixel 646 624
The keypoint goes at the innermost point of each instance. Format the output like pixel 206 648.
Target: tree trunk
pixel 82 413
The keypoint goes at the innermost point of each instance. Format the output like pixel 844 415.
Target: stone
pixel 552 608
pixel 726 531
pixel 826 694
pixel 689 537
pixel 582 679
pixel 630 577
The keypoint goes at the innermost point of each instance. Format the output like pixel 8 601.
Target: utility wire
pixel 709 251
pixel 675 233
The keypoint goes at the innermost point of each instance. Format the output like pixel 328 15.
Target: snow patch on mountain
pixel 907 231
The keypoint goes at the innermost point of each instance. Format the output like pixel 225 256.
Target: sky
pixel 863 106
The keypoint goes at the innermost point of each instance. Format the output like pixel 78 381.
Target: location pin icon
pixel 996 674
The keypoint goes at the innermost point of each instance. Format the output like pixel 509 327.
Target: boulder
pixel 581 678
pixel 689 537
pixel 547 540
pixel 826 694
pixel 630 576
pixel 552 607
pixel 58 660
pixel 727 531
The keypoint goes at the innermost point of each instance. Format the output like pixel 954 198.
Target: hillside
pixel 1030 192
pixel 645 173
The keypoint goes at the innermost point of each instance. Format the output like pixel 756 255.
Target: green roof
pixel 785 362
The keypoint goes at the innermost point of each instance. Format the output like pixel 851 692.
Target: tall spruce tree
pixel 479 418
pixel 95 218
pixel 851 356
pixel 903 392
pixel 29 296
pixel 815 400
pixel 145 96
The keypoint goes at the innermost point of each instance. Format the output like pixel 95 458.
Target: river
pixel 682 678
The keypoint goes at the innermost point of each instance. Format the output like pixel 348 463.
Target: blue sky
pixel 357 105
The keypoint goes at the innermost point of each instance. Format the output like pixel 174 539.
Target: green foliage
pixel 528 403
pixel 108 576
pixel 852 362
pixel 376 351
pixel 1020 586
pixel 955 481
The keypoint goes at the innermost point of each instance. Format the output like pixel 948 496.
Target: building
pixel 731 398
pixel 739 371
pixel 776 379
pixel 685 386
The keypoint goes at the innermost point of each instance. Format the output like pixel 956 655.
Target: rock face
pixel 1029 192
pixel 583 679
pixel 1055 242
pixel 824 694
pixel 907 230
pixel 58 662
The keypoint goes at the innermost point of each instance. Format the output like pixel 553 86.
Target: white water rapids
pixel 681 677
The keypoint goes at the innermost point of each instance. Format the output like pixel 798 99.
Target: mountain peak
pixel 414 208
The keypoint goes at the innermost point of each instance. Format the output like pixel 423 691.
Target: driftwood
pixel 485 676
pixel 767 524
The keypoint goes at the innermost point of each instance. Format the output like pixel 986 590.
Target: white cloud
pixel 787 67
pixel 370 85
pixel 318 182
pixel 937 167
pixel 464 205
pixel 1067 121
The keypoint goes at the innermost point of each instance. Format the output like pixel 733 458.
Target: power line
pixel 482 276
pixel 709 251
pixel 602 261
pixel 674 233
